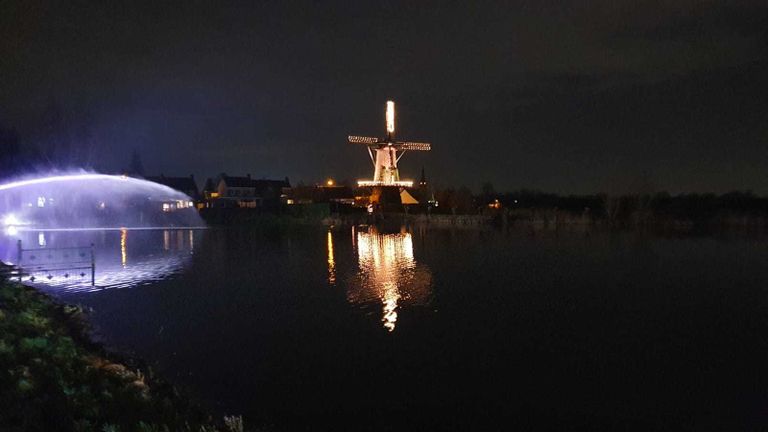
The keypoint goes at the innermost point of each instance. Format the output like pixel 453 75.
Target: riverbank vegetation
pixel 52 377
pixel 738 208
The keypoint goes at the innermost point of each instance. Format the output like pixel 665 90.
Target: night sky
pixel 568 97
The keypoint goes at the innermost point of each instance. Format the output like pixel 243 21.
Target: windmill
pixel 385 153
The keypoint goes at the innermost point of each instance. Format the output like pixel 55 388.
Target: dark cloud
pixel 565 96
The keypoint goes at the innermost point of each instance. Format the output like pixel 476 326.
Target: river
pixel 434 329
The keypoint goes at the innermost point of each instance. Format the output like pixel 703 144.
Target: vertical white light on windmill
pixel 390 117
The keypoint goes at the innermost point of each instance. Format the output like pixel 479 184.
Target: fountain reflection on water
pixel 124 258
pixel 388 273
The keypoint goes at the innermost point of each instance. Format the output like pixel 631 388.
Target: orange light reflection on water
pixel 123 246
pixel 331 261
pixel 388 273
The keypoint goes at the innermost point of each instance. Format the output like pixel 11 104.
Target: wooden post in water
pixel 18 258
pixel 93 267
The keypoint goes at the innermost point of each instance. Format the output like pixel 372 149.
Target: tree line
pixel 623 207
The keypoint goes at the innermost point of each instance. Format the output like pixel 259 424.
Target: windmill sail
pixel 354 139
pixel 418 146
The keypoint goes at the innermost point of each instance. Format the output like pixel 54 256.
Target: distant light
pixel 41 202
pixel 289 201
pixel 12 223
pixel 11 220
pixel 401 183
pixel 102 205
pixel 41 239
pixel 329 182
pixel 390 117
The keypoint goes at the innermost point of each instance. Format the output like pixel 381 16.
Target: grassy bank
pixel 52 377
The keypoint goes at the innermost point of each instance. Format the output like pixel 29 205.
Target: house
pixel 210 191
pixel 245 192
pixel 334 194
pixel 186 185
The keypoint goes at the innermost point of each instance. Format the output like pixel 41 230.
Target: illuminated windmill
pixel 386 154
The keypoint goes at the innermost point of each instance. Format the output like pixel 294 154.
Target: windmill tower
pixel 385 153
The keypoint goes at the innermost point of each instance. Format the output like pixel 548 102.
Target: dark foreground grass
pixel 53 378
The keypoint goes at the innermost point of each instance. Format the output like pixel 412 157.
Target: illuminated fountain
pixel 92 201
pixel 388 273
pixel 47 221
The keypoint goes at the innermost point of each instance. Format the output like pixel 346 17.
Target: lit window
pixel 41 201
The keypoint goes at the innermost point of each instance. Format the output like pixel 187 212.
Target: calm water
pixel 355 329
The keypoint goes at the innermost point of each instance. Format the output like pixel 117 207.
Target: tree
pixel 487 188
pixel 63 134
pixel 488 193
pixel 10 152
pixel 136 167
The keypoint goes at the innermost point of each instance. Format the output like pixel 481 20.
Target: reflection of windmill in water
pixel 385 153
pixel 388 273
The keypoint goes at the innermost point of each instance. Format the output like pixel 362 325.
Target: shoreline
pixel 554 222
pixel 544 217
pixel 55 377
